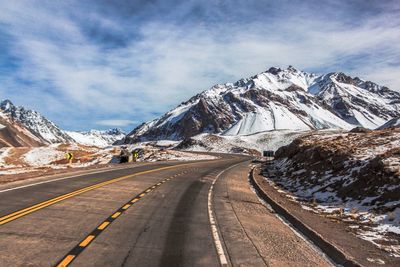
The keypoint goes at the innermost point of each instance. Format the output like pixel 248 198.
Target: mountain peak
pixel 289 69
pixel 6 105
pixel 274 70
pixel 292 69
pixel 276 99
pixel 112 131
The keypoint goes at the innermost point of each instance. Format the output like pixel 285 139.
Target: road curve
pixel 160 214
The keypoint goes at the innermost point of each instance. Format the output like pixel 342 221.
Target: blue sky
pixel 101 64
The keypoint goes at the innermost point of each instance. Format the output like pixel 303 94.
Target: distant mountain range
pixel 97 138
pixel 276 99
pixel 23 127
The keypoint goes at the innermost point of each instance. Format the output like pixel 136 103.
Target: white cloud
pixel 168 63
pixel 116 123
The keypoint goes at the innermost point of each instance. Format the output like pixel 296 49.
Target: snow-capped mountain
pixel 97 138
pixel 32 123
pixel 358 102
pixel 273 100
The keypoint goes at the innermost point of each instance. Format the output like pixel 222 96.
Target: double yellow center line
pixel 15 215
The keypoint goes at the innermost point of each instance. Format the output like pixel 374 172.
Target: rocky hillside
pixel 356 175
pixel 274 100
pixel 16 135
pixel 32 124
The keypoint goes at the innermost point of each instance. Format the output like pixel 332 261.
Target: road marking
pixel 214 227
pixel 15 215
pixel 86 241
pixel 103 225
pixel 70 177
pixel 126 206
pixel 74 252
pixel 115 215
pixel 66 261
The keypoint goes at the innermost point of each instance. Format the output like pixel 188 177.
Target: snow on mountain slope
pixel 277 99
pixel 358 102
pixel 97 138
pixel 393 123
pixel 252 144
pixel 32 124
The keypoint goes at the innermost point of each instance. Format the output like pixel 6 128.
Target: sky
pixel 103 64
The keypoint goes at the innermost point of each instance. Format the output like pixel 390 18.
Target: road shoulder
pixel 252 234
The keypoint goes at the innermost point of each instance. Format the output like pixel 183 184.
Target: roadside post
pixel 70 157
pixel 135 156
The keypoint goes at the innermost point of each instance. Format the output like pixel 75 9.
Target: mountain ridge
pixel 274 100
pixel 20 126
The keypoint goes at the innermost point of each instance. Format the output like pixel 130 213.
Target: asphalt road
pixel 159 214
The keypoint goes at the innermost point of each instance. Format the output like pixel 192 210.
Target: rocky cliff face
pixel 274 100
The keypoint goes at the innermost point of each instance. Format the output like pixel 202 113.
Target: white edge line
pixel 68 177
pixel 213 223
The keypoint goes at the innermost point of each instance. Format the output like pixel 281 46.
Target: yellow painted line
pixel 15 215
pixel 67 260
pixel 126 206
pixel 148 190
pixel 86 241
pixel 103 225
pixel 115 215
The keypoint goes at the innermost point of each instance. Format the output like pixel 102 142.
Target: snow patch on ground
pixel 43 156
pixel 4 152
